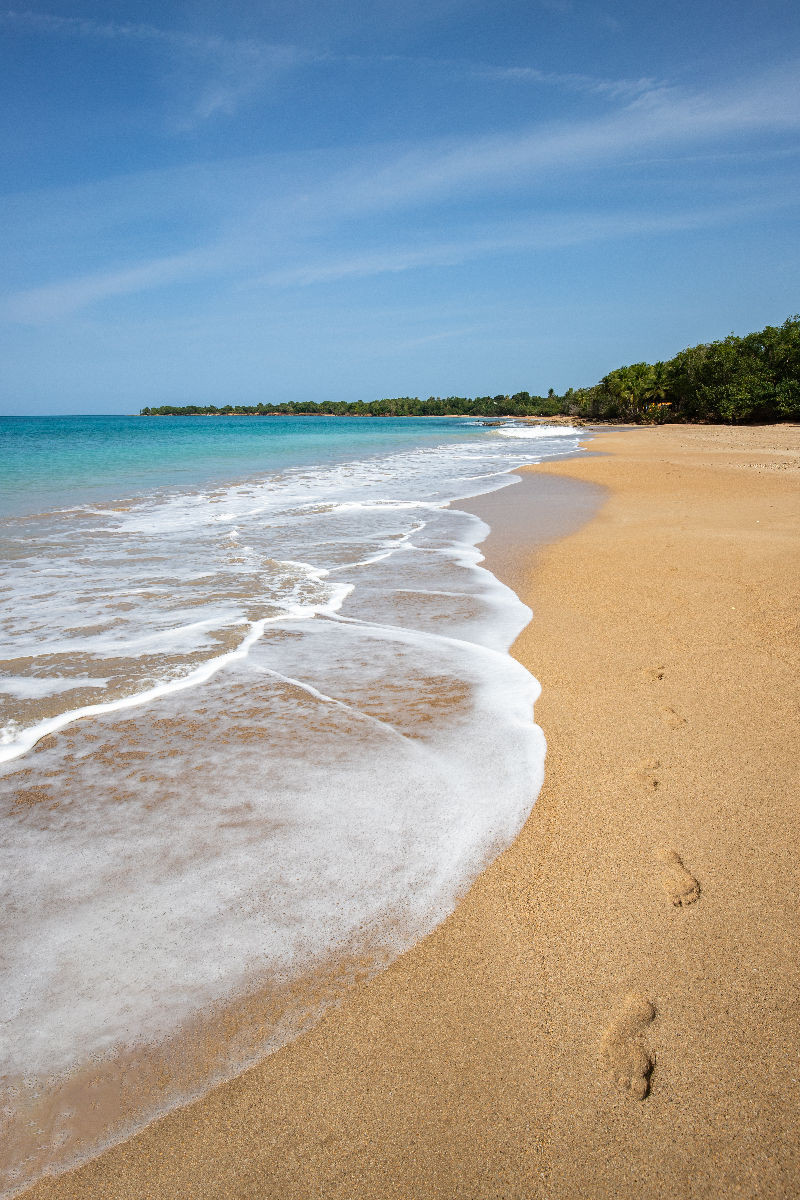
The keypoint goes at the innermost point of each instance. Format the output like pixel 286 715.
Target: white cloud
pixel 58 300
pixel 466 68
pixel 660 121
pixel 238 69
pixel 541 232
pixel 231 70
pixel 225 72
pixel 295 205
pixel 613 88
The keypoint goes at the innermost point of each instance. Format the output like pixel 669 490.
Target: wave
pixel 536 432
pixel 246 824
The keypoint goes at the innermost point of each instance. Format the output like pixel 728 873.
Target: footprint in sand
pixel 648 772
pixel 654 673
pixel 625 1057
pixel 679 884
pixel 671 718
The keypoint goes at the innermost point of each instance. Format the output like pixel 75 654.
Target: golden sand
pixel 614 1009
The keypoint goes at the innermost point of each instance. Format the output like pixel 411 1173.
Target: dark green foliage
pixel 400 406
pixel 751 378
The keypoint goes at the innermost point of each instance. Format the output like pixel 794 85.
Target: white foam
pixel 322 741
pixel 15 741
pixel 201 906
pixel 539 431
pixel 35 687
pixel 187 638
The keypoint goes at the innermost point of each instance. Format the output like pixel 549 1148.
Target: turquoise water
pixel 51 462
pixel 258 726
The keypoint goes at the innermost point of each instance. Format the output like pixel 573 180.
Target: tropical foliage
pixel 751 378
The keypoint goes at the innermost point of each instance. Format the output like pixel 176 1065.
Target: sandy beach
pixel 614 1008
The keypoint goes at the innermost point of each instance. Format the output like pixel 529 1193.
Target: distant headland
pixel 750 378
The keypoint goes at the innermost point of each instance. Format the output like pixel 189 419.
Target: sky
pixel 352 199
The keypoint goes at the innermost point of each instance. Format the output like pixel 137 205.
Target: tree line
pixel 738 379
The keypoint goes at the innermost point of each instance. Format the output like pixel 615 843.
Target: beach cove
pixel 643 926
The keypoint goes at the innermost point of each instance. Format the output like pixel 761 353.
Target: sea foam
pixel 271 800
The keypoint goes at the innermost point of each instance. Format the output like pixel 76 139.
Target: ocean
pixel 259 731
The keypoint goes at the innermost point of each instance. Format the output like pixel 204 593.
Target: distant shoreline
pixel 557 419
pixel 738 381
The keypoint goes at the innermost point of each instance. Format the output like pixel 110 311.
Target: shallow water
pixel 258 737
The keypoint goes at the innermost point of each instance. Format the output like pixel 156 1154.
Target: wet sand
pixel 614 1009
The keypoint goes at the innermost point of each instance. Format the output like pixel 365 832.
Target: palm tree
pixel 658 388
pixel 630 385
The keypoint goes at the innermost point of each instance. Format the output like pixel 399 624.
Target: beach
pixel 613 1009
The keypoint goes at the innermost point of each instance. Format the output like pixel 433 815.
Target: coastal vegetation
pixel 738 379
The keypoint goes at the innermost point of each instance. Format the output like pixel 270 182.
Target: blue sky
pixel 349 200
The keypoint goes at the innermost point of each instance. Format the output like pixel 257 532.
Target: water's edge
pixel 533 511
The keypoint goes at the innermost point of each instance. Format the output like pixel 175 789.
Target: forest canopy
pixel 738 379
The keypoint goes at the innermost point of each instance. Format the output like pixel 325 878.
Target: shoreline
pixel 473 1066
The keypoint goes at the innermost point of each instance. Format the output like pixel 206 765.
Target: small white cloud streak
pixel 89 27
pixel 58 300
pixel 466 68
pixel 615 88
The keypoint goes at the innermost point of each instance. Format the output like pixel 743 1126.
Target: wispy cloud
pixel 615 88
pixel 284 237
pixel 234 70
pixel 238 69
pixel 227 72
pixel 499 73
pixel 58 300
pixel 542 232
pixel 662 121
